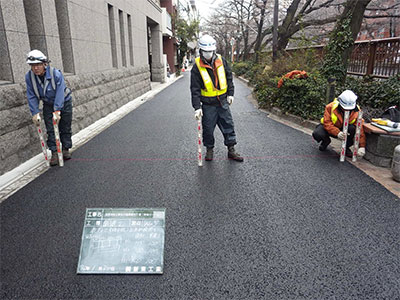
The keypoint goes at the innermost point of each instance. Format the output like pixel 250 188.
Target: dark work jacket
pixel 197 84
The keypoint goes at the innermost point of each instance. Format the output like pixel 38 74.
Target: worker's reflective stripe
pixel 53 81
pixel 334 118
pixel 222 77
pixel 35 82
pixel 34 85
pixel 210 90
pixel 67 90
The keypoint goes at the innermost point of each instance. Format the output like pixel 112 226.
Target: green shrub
pixel 303 97
pixel 254 73
pixel 373 93
pixel 373 96
pixel 266 92
pixel 307 97
pixel 241 68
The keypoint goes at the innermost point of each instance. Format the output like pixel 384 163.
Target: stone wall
pixel 94 96
pixel 157 71
pixel 380 149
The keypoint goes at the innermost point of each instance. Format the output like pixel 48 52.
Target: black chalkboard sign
pixel 122 241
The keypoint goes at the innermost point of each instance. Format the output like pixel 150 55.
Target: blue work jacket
pixel 56 96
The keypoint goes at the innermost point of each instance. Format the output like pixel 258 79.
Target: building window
pixel 122 36
pixel 112 36
pixel 130 40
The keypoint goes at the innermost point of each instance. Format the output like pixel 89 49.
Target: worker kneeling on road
pixel 46 83
pixel 212 90
pixel 332 123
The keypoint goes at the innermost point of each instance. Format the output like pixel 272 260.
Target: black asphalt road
pixel 288 223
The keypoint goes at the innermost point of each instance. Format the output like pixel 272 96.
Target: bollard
pixel 396 163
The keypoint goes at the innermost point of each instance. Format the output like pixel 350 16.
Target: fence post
pixel 330 89
pixel 371 58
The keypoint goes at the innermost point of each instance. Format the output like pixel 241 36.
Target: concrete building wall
pixel 16 39
pixel 105 69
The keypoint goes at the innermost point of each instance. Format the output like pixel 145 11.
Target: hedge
pixel 307 97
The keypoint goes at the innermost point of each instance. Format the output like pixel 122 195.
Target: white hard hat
pixel 207 43
pixel 347 100
pixel 36 57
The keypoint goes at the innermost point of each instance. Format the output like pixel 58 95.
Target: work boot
pixel 232 154
pixel 209 154
pixel 323 146
pixel 54 158
pixel 66 154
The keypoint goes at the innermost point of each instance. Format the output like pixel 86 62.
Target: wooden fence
pixel 377 58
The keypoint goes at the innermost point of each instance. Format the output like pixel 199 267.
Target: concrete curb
pixel 18 177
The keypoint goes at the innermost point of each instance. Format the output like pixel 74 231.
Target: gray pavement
pixel 288 223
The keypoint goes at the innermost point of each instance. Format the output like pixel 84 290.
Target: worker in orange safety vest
pixel 332 123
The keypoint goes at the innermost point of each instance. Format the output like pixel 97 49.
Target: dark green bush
pixel 303 97
pixel 307 97
pixel 374 96
pixel 266 92
pixel 373 93
pixel 241 68
pixel 254 73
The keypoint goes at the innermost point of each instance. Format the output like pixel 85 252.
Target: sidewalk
pixel 17 178
pixel 379 174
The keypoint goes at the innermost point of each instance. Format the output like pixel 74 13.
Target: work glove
pixel 361 152
pixel 36 119
pixel 230 100
pixel 57 116
pixel 340 135
pixel 198 113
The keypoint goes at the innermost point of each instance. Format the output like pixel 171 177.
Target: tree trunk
pixel 284 29
pixel 342 39
pixel 275 32
pixel 246 44
pixel 238 49
pixel 357 9
pixel 259 31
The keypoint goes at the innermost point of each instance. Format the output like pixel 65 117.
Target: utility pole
pixel 232 48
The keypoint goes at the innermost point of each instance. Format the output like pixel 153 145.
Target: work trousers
pixel 320 134
pixel 64 126
pixel 221 116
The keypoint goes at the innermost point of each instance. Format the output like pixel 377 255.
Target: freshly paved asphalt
pixel 288 223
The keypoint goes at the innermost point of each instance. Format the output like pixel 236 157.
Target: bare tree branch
pixel 381 17
pixel 383 8
pixel 323 5
pixel 309 23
